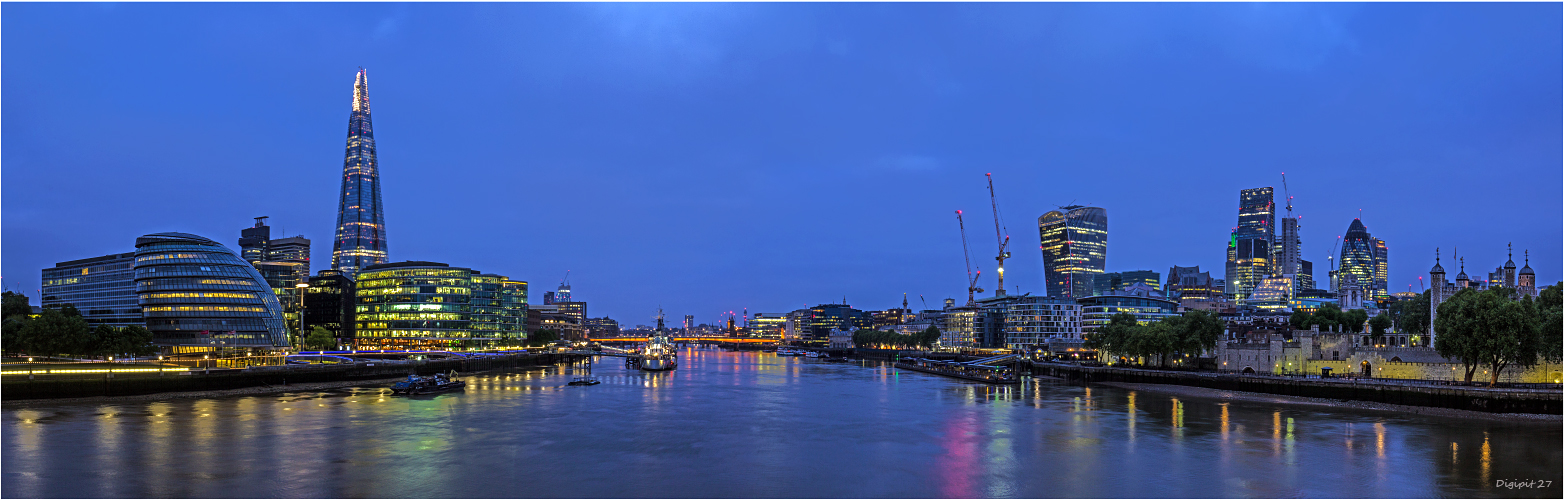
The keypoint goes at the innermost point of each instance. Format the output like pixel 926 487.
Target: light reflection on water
pixel 755 425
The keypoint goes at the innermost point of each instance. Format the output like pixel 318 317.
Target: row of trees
pixel 1490 329
pixel 64 332
pixel 539 338
pixel 866 337
pixel 1354 320
pixel 1187 334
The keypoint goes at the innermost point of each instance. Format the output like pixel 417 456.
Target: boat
pixel 814 354
pixel 440 382
pixel 659 353
pixel 784 351
pixel 584 381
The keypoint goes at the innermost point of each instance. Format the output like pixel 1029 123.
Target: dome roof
pixel 1437 269
pixel 1525 269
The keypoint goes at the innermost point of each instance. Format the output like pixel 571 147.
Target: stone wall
pixel 1310 351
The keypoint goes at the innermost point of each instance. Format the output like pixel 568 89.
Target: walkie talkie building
pixel 361 226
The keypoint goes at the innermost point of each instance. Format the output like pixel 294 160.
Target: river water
pixel 750 424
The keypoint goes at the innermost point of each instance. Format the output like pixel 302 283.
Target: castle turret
pixel 1511 269
pixel 1437 295
pixel 1462 275
pixel 1525 283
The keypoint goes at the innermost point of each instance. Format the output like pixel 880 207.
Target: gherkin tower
pixel 361 226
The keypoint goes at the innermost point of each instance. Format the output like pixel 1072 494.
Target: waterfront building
pixel 768 325
pixel 102 288
pixel 513 297
pixel 284 278
pixel 1074 241
pixel 576 310
pixel 198 295
pixel 1249 258
pixel 361 226
pixel 1097 310
pixel 329 303
pixel 599 328
pixel 486 306
pixel 993 311
pixel 824 318
pixel 963 327
pixel 890 317
pixel 1032 322
pixel 1364 258
pixel 415 305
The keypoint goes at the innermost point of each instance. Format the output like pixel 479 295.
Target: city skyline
pixel 704 216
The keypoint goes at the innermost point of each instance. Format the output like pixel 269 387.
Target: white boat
pixel 813 354
pixel 659 354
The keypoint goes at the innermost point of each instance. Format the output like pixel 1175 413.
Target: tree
pixel 14 315
pixel 1300 320
pixel 320 339
pixel 136 340
pixel 1353 320
pixel 54 332
pixel 1116 337
pixel 1548 318
pixel 1512 339
pixel 542 337
pixel 1412 316
pixel 1379 325
pixel 931 335
pixel 1199 332
pixel 1328 315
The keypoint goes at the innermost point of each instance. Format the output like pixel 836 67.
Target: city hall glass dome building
pixel 198 295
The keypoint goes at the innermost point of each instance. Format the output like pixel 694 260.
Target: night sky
pixel 709 157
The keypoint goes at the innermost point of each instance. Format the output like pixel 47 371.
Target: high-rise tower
pixel 1250 252
pixel 361 227
pixel 1365 258
pixel 1074 243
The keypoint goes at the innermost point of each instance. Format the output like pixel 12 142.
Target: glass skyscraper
pixel 198 295
pixel 1074 242
pixel 103 289
pixel 1365 259
pixel 361 227
pixel 1250 258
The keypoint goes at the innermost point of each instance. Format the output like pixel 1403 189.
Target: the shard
pixel 361 225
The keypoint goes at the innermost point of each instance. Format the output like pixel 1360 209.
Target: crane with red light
pixel 1001 240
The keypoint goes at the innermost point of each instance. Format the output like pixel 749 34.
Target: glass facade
pixel 1250 258
pixel 1074 243
pixel 1035 321
pixel 416 305
pixel 361 226
pixel 1106 283
pixel 197 294
pixel 1364 259
pixel 1096 311
pixel 103 289
pixel 964 327
pixel 329 303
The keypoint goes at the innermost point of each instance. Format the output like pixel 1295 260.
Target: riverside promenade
pixel 1438 394
pixel 134 380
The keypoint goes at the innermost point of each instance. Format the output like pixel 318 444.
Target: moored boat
pixel 439 382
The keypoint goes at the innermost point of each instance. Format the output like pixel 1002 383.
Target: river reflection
pixel 729 424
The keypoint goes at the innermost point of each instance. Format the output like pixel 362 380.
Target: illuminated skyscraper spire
pixel 361 227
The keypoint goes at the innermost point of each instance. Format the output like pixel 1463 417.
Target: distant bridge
pixel 718 340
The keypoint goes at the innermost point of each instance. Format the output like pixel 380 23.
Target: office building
pixel 600 328
pixel 992 320
pixel 415 305
pixel 1192 283
pixel 1033 322
pixel 573 309
pixel 963 327
pixel 361 224
pixel 103 289
pixel 1364 259
pixel 1107 283
pixel 198 295
pixel 1097 310
pixel 1074 241
pixel 768 325
pixel 1249 258
pixel 513 295
pixel 1273 295
pixel 329 303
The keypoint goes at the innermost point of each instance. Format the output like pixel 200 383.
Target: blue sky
pixel 710 157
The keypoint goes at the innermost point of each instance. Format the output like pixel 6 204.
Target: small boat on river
pixel 659 353
pixel 584 381
pixel 439 382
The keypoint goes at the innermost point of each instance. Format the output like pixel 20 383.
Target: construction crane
pixel 973 277
pixel 1001 239
pixel 1289 200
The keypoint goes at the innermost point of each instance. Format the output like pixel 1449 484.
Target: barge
pixel 981 370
